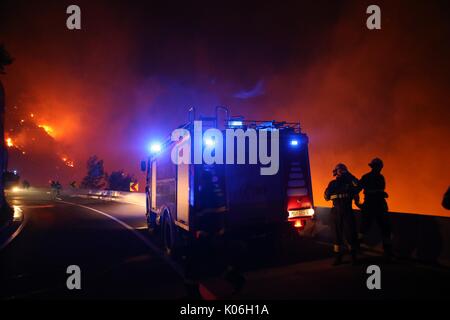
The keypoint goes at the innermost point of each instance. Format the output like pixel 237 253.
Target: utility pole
pixel 5 209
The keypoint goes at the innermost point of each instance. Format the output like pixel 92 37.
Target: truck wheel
pixel 168 232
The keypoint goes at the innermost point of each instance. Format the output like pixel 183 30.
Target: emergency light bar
pixel 235 123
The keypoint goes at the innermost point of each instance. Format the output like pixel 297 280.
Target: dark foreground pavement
pixel 114 262
pixel 118 259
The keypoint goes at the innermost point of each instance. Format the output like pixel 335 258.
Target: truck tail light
pixel 298 224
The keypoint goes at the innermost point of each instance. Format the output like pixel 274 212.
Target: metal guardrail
pixel 135 198
pixel 423 238
pixel 417 237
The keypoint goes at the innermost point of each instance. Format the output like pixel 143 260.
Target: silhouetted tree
pixel 5 209
pixel 120 181
pixel 95 178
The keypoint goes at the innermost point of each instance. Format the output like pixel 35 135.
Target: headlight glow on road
pixel 17 213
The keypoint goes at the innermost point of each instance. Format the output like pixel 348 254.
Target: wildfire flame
pixel 9 142
pixel 68 162
pixel 50 131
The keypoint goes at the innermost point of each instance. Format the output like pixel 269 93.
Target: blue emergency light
pixel 295 142
pixel 155 147
pixel 209 142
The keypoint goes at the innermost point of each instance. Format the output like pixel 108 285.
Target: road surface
pixel 119 259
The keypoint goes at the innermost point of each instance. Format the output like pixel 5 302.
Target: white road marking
pixel 39 206
pixel 15 234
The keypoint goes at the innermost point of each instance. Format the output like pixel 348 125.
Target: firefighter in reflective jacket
pixel 375 206
pixel 342 191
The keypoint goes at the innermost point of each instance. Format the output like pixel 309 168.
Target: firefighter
pixel 446 199
pixel 342 191
pixel 375 206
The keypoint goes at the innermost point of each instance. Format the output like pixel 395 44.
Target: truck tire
pixel 168 234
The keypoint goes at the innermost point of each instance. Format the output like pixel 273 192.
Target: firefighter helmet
pixel 339 166
pixel 376 163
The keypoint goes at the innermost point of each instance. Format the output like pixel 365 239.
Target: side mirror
pixel 143 165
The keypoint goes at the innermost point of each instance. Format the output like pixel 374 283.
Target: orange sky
pixel 357 93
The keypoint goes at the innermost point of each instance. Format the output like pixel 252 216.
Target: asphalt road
pixel 119 259
pixel 114 262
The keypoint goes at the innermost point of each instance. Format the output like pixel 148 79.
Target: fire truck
pixel 194 200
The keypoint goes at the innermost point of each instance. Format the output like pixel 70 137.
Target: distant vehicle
pixel 189 201
pixel 12 179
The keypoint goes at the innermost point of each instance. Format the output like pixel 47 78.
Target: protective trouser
pixel 344 226
pixel 376 210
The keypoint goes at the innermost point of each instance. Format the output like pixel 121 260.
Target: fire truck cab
pixel 200 200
